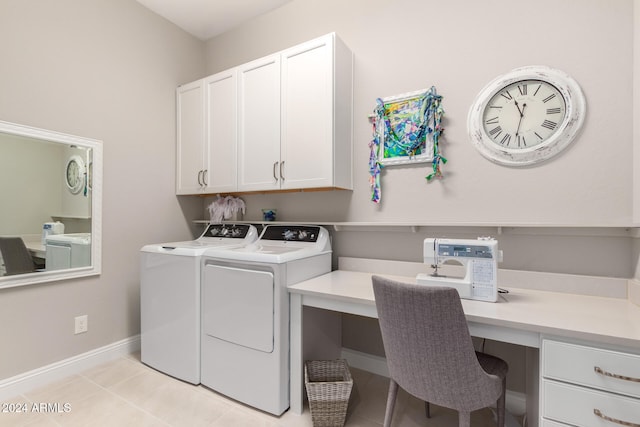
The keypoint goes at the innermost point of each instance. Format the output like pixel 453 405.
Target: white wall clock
pixel 75 174
pixel 526 116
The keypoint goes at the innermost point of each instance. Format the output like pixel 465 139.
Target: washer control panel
pixel 297 233
pixel 233 231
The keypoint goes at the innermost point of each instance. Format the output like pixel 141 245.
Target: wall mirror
pixel 50 214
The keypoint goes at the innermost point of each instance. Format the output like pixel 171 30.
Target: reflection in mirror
pixel 50 215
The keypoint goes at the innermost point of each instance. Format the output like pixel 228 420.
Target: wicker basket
pixel 328 384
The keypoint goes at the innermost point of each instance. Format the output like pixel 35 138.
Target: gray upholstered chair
pixel 430 353
pixel 16 256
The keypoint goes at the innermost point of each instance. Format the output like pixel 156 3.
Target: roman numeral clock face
pixel 524 114
pixel 527 116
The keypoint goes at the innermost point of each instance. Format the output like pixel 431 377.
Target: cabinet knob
pixel 274 171
pixel 205 175
pixel 281 173
pixel 200 178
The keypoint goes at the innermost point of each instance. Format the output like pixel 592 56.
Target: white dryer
pixel 170 298
pixel 245 312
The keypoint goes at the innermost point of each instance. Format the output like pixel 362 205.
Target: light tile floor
pixel 126 392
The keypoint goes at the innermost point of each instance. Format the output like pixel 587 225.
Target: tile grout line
pixel 122 398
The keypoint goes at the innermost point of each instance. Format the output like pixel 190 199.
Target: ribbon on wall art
pixel 406 129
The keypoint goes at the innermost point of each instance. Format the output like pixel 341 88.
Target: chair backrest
pixel 15 255
pixel 428 347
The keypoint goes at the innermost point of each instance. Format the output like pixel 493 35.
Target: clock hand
pixel 521 116
pixel 518 107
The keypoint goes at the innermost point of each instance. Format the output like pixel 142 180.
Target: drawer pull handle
pixel 616 376
pixel 613 420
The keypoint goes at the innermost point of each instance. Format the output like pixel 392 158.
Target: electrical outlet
pixel 82 324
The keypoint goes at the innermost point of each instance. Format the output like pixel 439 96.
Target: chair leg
pixel 427 409
pixel 391 402
pixel 464 419
pixel 500 405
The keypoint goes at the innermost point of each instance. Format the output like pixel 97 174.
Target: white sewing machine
pixel 478 257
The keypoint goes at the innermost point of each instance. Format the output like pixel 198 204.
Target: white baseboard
pixel 367 362
pixel 22 383
pixel 516 402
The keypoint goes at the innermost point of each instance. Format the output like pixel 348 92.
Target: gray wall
pixel 103 69
pixel 406 45
pixel 459 46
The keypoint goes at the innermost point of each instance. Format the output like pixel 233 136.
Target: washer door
pixel 238 306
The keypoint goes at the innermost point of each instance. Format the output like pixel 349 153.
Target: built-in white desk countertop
pixel 34 244
pixel 522 316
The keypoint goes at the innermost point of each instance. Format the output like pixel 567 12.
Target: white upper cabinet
pixel 292 128
pixel 221 127
pixel 190 137
pixel 206 135
pixel 316 105
pixel 259 125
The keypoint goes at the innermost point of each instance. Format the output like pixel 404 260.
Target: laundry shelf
pixel 70 217
pixel 478 228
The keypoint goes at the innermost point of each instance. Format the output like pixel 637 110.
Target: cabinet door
pixel 259 125
pixel 307 114
pixel 221 132
pixel 190 137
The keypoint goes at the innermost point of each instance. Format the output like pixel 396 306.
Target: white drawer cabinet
pixel 576 405
pixel 589 386
pixel 592 367
pixel 549 423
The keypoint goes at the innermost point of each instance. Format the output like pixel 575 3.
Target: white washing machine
pixel 170 298
pixel 64 251
pixel 245 312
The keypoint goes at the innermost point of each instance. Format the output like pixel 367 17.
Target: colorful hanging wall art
pixel 406 129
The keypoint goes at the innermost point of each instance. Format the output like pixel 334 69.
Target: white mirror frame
pixel 96 207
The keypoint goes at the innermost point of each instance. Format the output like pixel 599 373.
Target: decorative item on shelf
pixel 226 208
pixel 526 116
pixel 406 129
pixel 269 214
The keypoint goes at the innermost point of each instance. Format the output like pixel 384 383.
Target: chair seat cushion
pixel 493 365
